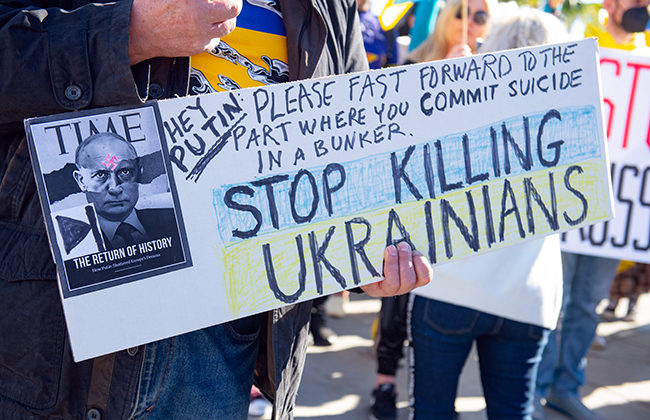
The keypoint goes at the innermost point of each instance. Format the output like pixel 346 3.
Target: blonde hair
pixel 435 47
pixel 527 27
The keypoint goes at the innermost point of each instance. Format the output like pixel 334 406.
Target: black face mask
pixel 635 19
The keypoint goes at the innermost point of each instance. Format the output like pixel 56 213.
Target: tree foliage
pixel 572 10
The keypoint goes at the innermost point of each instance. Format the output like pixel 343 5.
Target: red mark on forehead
pixel 111 162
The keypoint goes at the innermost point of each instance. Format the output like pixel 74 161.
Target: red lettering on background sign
pixel 636 67
pixel 607 100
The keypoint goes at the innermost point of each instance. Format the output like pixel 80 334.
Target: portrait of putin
pixel 108 172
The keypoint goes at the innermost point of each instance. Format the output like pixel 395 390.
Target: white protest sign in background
pixel 292 191
pixel 625 84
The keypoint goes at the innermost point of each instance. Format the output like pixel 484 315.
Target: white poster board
pixel 284 193
pixel 626 83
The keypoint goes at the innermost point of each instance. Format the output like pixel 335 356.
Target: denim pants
pixel 586 282
pixel 392 333
pixel 442 336
pixel 205 374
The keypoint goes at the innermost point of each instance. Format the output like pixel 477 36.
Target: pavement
pixel 338 379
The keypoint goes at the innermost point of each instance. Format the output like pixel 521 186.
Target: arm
pixel 47 46
pixel 44 49
pixel 181 28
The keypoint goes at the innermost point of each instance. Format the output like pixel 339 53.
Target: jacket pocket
pixel 449 319
pixel 245 329
pixel 69 67
pixel 32 332
pixel 24 254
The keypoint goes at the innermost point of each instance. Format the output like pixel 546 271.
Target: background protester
pixel 505 301
pixel 586 278
pixel 389 344
pixel 622 26
pixel 381 47
pixel 632 280
pixel 446 41
pixel 561 371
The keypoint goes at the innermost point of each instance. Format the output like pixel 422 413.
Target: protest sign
pixel 625 81
pixel 287 192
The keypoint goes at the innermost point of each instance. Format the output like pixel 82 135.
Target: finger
pixel 373 289
pixel 407 278
pixel 214 43
pixel 221 29
pixel 222 10
pixel 390 284
pixel 217 18
pixel 210 30
pixel 423 269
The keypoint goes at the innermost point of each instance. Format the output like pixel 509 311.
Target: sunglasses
pixel 480 17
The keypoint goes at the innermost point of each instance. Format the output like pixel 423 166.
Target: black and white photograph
pixel 113 210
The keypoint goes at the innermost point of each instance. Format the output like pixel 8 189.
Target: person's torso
pixel 605 39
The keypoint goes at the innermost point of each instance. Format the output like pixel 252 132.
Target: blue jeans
pixel 508 351
pixel 586 282
pixel 205 374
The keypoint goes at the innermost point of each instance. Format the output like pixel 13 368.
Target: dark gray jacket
pixel 59 56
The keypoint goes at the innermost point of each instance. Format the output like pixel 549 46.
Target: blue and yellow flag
pixel 254 54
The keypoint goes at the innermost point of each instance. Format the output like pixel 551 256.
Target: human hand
pixel 178 28
pixel 459 50
pixel 404 270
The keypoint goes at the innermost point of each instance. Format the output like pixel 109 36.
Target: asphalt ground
pixel 338 379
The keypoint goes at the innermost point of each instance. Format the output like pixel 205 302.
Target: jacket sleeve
pixel 58 56
pixel 356 52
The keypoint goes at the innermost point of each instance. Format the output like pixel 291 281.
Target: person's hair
pixel 527 27
pixel 94 137
pixel 436 46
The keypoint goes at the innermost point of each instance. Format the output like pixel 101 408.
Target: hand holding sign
pixel 173 28
pixel 459 50
pixel 404 270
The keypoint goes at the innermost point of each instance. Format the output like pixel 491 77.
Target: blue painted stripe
pixel 259 19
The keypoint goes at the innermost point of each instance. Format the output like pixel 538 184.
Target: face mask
pixel 635 19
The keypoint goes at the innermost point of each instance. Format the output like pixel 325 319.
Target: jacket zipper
pixel 172 79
